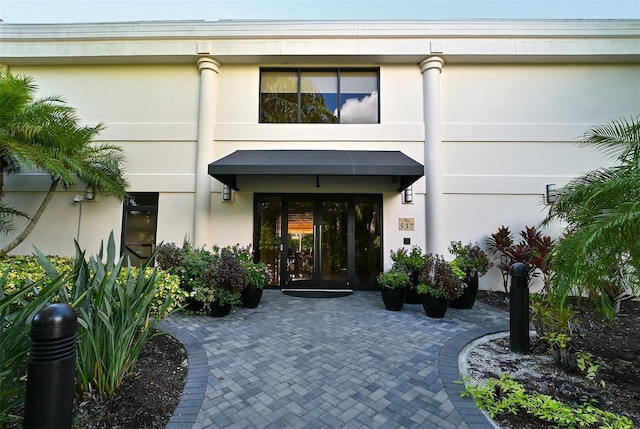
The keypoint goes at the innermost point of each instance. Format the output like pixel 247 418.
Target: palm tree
pixel 600 255
pixel 45 135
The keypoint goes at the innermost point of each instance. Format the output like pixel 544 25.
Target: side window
pixel 139 222
pixel 319 96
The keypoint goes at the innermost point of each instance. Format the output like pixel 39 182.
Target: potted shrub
pixel 259 275
pixel 222 283
pixel 189 264
pixel 471 262
pixel 439 284
pixel 393 284
pixel 411 262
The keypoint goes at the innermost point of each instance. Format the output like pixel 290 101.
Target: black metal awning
pixel 316 163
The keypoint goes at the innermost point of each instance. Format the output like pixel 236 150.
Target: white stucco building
pixel 325 144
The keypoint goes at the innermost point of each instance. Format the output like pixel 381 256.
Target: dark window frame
pixel 300 70
pixel 127 207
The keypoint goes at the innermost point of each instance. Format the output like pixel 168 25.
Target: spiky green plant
pixel 115 317
pixel 16 314
pixel 600 255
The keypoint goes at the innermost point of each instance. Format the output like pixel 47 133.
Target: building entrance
pixel 320 241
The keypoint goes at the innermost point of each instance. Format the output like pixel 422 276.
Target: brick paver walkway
pixel 328 363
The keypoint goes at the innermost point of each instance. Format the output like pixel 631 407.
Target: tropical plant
pixel 469 258
pixel 115 317
pixel 187 262
pixel 438 278
pixel 16 314
pixel 499 242
pixel 224 279
pixel 410 261
pixel 393 279
pixel 505 395
pixel 46 135
pixel 599 256
pixel 169 256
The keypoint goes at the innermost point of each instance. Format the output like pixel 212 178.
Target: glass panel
pixel 319 97
pixel 368 242
pixel 300 241
pixel 359 97
pixel 140 220
pixel 269 213
pixel 333 239
pixel 279 97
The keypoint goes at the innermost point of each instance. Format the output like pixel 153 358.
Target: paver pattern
pixel 328 363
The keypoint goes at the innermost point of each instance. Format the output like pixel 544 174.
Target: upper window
pixel 345 96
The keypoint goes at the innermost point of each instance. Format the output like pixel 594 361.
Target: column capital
pixel 434 62
pixel 208 63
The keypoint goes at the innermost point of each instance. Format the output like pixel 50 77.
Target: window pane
pixel 139 226
pixel 368 236
pixel 319 98
pixel 359 97
pixel 279 97
pixel 269 213
pixel 279 82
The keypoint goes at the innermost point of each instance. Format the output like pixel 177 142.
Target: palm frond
pixel 619 139
pixel 7 215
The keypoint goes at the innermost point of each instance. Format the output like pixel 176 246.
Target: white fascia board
pixel 322 42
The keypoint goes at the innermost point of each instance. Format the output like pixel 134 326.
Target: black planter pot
pixel 434 307
pixel 468 297
pixel 219 310
pixel 412 297
pixel 194 304
pixel 251 296
pixel 393 299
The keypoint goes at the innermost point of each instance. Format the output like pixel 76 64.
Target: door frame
pixel 316 199
pixel 317 281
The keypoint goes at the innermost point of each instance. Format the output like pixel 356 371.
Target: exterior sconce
pixel 226 193
pixel 89 195
pixel 407 195
pixel 551 193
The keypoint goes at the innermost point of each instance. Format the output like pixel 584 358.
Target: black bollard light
pixel 519 309
pixel 51 369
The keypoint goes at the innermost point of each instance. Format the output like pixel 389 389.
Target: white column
pixel 434 210
pixel 209 69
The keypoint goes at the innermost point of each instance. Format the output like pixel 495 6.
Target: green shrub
pixel 116 316
pixel 438 278
pixel 394 279
pixel 167 286
pixel 117 309
pixel 16 314
pixel 258 273
pixel 507 396
pixel 25 269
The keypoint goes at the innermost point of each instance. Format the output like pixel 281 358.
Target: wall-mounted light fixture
pixel 407 195
pixel 226 193
pixel 551 193
pixel 89 196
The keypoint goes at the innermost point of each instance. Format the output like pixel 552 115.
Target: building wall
pixel 514 101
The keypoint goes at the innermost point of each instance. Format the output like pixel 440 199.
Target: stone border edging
pixel 450 375
pixel 186 412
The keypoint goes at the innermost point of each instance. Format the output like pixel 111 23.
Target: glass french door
pixel 317 244
pixel 319 241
